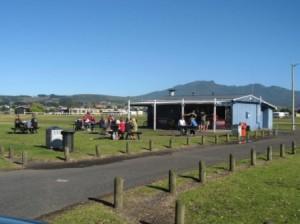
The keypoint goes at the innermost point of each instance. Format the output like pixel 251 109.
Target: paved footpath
pixel 32 193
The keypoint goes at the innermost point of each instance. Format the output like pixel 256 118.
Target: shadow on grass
pixel 158 188
pixel 144 222
pixel 41 147
pixel 189 177
pixel 60 158
pixel 101 201
pixel 220 168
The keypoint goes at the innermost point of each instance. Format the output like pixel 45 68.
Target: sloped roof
pixel 203 100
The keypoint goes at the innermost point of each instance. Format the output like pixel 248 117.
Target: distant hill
pixel 273 94
pixel 276 95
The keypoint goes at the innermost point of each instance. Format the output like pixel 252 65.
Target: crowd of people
pixel 189 122
pixel 26 126
pixel 116 128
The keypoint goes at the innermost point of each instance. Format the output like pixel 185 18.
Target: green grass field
pixel 85 142
pixel 268 192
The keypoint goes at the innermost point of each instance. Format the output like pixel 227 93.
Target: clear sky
pixel 132 47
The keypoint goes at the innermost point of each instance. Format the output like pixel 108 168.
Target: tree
pixel 37 107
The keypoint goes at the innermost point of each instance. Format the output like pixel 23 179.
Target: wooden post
pixel 98 155
pixel 187 140
pixel 172 182
pixel 256 135
pixel 202 172
pixel 216 139
pixel 269 153
pixel 203 140
pixel 227 138
pixel 262 133
pixel 11 153
pixel 232 163
pixel 253 157
pixel 282 150
pixel 179 213
pixel 150 145
pixel 171 143
pixel 294 147
pixel 2 150
pixel 24 158
pixel 118 193
pixel 67 154
pixel 127 148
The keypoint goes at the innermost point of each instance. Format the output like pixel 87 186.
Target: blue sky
pixel 131 47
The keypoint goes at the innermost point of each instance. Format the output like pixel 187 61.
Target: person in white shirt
pixel 182 126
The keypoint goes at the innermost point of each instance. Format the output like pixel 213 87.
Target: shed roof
pixel 171 100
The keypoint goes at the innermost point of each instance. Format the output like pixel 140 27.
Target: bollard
pixel 216 139
pixel 118 193
pixel 282 150
pixel 11 153
pixel 150 145
pixel 179 212
pixel 2 150
pixel 24 158
pixel 67 154
pixel 232 163
pixel 294 147
pixel 127 147
pixel 269 153
pixel 262 133
pixel 202 140
pixel 172 182
pixel 253 157
pixel 171 143
pixel 256 135
pixel 187 140
pixel 202 172
pixel 98 155
pixel 227 138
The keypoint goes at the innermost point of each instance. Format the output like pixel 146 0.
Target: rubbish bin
pixel 68 139
pixel 54 138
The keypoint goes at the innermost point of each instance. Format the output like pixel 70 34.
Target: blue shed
pixel 221 112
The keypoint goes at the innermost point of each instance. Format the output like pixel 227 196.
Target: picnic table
pixel 126 134
pixel 26 127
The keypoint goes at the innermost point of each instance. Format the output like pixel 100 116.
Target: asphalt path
pixel 33 193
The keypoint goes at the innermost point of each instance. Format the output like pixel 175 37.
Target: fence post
pixel 127 148
pixel 269 153
pixel 227 138
pixel 172 182
pixel 118 192
pixel 282 150
pixel 216 139
pixel 232 163
pixel 1 150
pixel 187 140
pixel 171 143
pixel 67 154
pixel 294 147
pixel 180 212
pixel 202 172
pixel 203 140
pixel 253 157
pixel 24 158
pixel 11 153
pixel 150 145
pixel 98 155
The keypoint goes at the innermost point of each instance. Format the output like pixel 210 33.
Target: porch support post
pixel 182 108
pixel 129 110
pixel 215 115
pixel 154 115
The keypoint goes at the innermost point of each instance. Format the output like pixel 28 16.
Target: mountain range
pixel 274 94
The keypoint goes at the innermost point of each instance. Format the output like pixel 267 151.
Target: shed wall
pixel 247 112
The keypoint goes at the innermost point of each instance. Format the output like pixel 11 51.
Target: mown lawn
pixel 85 142
pixel 268 192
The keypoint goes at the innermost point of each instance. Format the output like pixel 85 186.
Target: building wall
pixel 267 118
pixel 249 113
